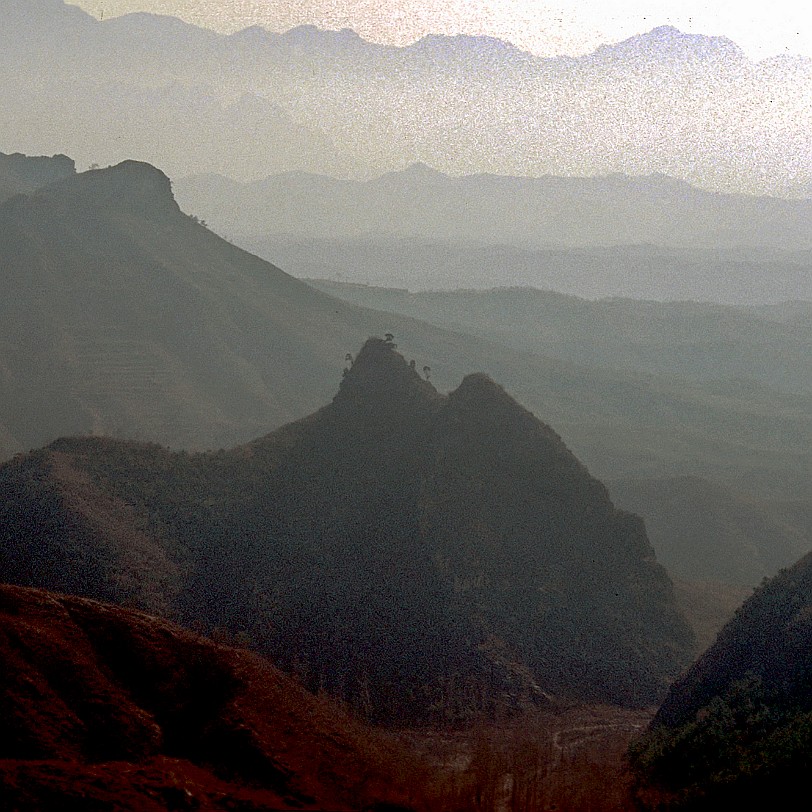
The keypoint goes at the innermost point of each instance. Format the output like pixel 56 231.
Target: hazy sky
pixel 762 29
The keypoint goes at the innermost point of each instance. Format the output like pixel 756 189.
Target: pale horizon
pixel 569 27
pixel 721 123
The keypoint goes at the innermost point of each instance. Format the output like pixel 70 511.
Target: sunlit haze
pixel 565 27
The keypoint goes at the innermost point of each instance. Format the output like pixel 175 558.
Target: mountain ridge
pixel 663 33
pixel 390 484
pixel 424 203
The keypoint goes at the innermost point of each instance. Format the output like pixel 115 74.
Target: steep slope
pixel 737 727
pixel 422 556
pixel 533 540
pixel 110 708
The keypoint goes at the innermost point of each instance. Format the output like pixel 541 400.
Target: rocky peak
pixel 491 412
pixel 379 375
pixel 134 185
pixel 479 387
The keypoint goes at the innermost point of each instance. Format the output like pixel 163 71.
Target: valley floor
pixel 568 759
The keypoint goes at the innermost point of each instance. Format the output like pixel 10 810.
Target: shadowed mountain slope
pixel 105 707
pixel 419 555
pixel 737 727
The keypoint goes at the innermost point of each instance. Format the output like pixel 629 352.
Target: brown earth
pixel 103 708
pixel 567 757
pixel 108 708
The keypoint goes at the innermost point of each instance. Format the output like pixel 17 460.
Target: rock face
pixel 417 554
pixel 737 727
pixel 110 707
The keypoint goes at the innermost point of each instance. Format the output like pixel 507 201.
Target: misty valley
pixel 365 456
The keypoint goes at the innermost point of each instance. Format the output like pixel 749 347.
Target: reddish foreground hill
pixel 111 708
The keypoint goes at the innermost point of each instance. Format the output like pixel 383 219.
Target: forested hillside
pixel 737 728
pixel 417 554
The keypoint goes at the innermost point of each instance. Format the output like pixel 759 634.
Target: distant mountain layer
pixel 642 238
pixel 329 102
pixel 731 276
pixel 771 345
pixel 736 729
pixel 130 318
pixel 423 556
pixel 104 707
pixel 493 212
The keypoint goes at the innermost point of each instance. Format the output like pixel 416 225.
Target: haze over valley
pixel 644 238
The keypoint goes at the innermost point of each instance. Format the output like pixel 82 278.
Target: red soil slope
pixel 108 708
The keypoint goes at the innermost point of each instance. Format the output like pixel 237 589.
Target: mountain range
pixel 549 212
pixel 449 552
pixel 330 102
pixel 131 318
pixel 639 237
